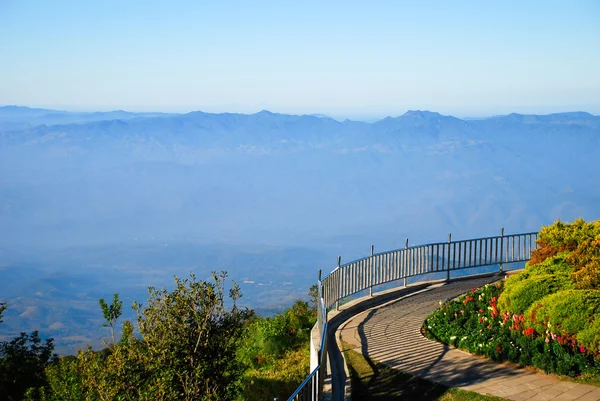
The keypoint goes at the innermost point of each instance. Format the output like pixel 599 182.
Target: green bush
pixel 560 237
pixel 556 265
pixel 590 337
pixel 569 235
pixel 520 294
pixel 269 338
pixel 566 314
pixel 586 263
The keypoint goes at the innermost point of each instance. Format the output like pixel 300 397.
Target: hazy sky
pixel 359 59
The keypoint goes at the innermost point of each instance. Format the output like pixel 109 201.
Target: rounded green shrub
pixel 556 265
pixel 569 313
pixel 589 338
pixel 521 292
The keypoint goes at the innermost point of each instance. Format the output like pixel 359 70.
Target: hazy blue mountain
pixel 83 195
pixel 19 117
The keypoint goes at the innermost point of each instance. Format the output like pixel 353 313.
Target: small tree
pixel 22 364
pixel 313 297
pixel 191 340
pixel 111 313
pixel 3 306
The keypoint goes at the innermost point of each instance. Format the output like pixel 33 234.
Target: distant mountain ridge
pixel 23 114
pixel 242 169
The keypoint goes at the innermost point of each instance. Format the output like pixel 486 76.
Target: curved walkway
pixel 390 334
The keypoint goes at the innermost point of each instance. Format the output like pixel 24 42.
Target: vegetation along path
pixel 390 334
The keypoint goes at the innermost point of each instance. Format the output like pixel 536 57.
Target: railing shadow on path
pixel 392 336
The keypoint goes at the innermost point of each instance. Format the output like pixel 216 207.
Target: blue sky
pixel 352 59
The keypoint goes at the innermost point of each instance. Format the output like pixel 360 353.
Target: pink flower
pixel 547 340
pixel 581 349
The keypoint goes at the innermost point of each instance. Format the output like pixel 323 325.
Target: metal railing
pixel 312 387
pixel 400 264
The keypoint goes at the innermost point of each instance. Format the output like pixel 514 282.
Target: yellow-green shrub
pixel 590 337
pixel 569 313
pixel 560 237
pixel 534 283
pixel 586 263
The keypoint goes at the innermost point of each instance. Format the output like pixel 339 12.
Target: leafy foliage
pixel 3 307
pixel 560 237
pixel 276 351
pixel 111 313
pixel 537 281
pixel 187 349
pixel 566 314
pixel 586 262
pixel 185 344
pixel 22 364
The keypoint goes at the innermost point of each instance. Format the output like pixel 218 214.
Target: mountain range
pixel 285 194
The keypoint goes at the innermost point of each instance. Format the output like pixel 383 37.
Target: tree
pixel 111 313
pixel 313 296
pixel 186 350
pixel 3 306
pixel 192 339
pixel 22 364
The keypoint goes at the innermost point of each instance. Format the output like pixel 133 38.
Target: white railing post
pixel 501 247
pixel 448 262
pixel 337 302
pixel 371 278
pixel 405 260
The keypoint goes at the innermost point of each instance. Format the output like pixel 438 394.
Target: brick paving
pixel 390 334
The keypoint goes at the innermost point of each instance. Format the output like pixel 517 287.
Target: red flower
pixel 581 349
pixel 499 349
pixel 529 331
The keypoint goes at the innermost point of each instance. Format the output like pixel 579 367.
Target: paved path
pixel 391 334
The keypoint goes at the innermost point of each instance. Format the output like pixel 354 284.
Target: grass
pixel 278 377
pixel 373 381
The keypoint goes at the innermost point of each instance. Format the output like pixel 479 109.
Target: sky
pixel 347 59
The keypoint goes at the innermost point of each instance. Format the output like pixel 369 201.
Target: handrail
pixel 311 384
pixel 399 264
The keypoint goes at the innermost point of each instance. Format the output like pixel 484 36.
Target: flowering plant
pixel 473 323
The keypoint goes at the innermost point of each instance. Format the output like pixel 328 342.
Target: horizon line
pixel 335 117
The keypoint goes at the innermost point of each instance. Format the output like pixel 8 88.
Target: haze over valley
pixel 96 203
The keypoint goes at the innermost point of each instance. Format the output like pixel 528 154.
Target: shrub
pixel 523 289
pixel 557 264
pixel 560 237
pixel 269 338
pixel 564 315
pixel 589 338
pixel 586 263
